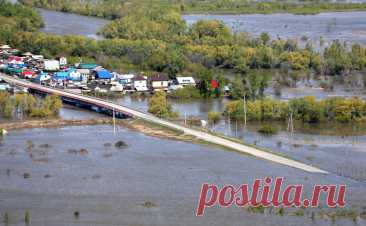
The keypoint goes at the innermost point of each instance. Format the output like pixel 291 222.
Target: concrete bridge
pixel 148 117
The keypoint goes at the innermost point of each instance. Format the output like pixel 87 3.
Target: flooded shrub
pixel 120 144
pixel 26 217
pixel 76 214
pixel 256 209
pixel 312 216
pixel 281 211
pixel 72 151
pixel 6 218
pixel 45 146
pixel 299 213
pixel 148 204
pixel 268 130
pixel 83 151
pixel 279 143
pixel 26 175
pixel 214 117
pixel 30 145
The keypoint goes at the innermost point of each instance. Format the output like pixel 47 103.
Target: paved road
pixel 199 134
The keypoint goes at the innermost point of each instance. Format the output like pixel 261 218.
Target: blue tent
pixel 61 75
pixel 103 74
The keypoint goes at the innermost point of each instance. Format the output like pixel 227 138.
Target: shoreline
pixel 132 124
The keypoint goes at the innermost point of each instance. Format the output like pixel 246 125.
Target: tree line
pixel 307 110
pixel 26 105
pixel 112 9
pixel 156 39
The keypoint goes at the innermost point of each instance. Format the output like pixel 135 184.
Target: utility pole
pixel 185 118
pixel 114 122
pixel 245 111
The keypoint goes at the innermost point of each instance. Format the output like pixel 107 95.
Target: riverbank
pixel 133 124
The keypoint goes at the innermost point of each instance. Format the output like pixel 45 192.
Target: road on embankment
pixel 214 139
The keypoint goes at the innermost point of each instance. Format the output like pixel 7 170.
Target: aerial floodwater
pixel 344 26
pixel 71 24
pixel 133 173
pixel 150 181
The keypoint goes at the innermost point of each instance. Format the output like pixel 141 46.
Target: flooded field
pixel 146 183
pixel 344 26
pixel 314 144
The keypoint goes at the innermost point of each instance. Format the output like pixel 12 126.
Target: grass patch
pixel 268 130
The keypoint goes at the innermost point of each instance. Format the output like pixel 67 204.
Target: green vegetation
pixel 28 106
pixel 214 117
pixel 186 93
pixel 112 9
pixel 26 19
pixel 26 217
pixel 157 39
pixel 159 106
pixel 256 209
pixel 307 110
pixel 6 218
pixel 268 130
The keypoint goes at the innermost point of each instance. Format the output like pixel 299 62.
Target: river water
pixel 153 182
pixel 71 24
pixel 344 26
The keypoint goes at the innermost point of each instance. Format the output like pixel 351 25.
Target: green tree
pixel 336 58
pixel 159 106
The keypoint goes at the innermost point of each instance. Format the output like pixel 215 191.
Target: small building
pixel 126 80
pixel 15 60
pixel 140 83
pixel 74 75
pixel 41 77
pixel 87 66
pixel 186 81
pixel 5 47
pixel 38 57
pixel 62 60
pixel 159 82
pixel 103 74
pixel 84 73
pixel 27 74
pixel 51 65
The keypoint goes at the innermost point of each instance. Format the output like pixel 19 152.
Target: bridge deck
pixel 199 134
